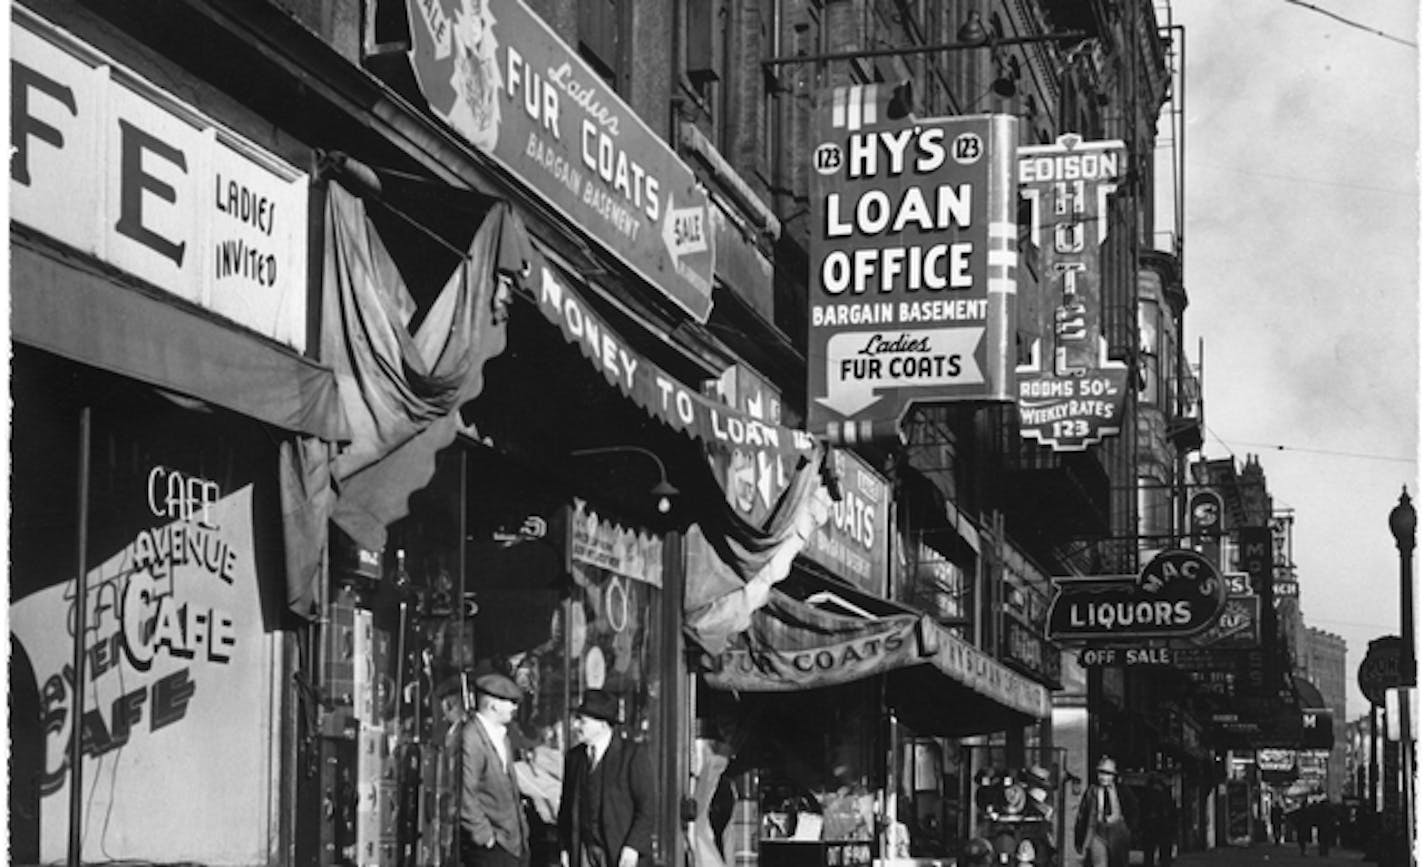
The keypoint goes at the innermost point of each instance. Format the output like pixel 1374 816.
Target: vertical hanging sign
pixel 913 262
pixel 1070 395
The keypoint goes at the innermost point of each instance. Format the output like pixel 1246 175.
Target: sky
pixel 1301 251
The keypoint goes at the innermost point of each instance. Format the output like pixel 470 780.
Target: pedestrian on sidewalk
pixel 1159 823
pixel 1278 820
pixel 493 828
pixel 1303 821
pixel 606 809
pixel 1106 816
pixel 1327 825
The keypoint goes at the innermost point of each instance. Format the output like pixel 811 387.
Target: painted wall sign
pixel 109 164
pixel 498 74
pixel 1069 394
pixel 913 260
pixel 177 661
pixel 1177 594
pixel 1025 649
pixel 854 541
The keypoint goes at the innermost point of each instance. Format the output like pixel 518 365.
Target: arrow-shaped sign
pixel 684 230
pixel 860 363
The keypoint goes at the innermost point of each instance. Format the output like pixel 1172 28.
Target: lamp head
pixel 665 492
pixel 1402 522
pixel 973 31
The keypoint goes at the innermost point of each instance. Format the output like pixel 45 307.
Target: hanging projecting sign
pixel 494 71
pixel 107 163
pixel 1070 394
pixel 1177 594
pixel 854 543
pixel 1379 671
pixel 913 261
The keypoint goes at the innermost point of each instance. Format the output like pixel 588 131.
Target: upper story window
pixel 600 37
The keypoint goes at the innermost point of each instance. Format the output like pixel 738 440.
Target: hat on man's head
pixel 1037 776
pixel 447 686
pixel 600 705
pixel 498 686
pixel 1107 766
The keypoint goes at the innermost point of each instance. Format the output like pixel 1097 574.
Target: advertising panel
pixel 1069 394
pixel 109 164
pixel 496 73
pixel 913 260
pixel 1177 594
pixel 178 715
pixel 854 541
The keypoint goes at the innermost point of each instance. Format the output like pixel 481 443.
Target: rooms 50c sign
pixel 1179 593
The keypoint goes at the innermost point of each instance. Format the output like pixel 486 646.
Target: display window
pixel 496 570
pixel 176 506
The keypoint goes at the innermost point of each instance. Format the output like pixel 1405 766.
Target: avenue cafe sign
pixel 496 73
pixel 1178 593
pixel 913 260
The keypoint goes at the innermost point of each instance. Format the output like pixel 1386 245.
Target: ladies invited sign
pixel 177 723
pixel 494 71
pixel 111 165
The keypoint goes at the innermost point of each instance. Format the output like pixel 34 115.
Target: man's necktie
pixel 1107 803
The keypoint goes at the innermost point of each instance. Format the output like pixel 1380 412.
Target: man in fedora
pixel 606 807
pixel 1106 816
pixel 493 829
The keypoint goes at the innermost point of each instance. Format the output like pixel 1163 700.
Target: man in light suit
pixel 493 829
pixel 1106 816
pixel 606 807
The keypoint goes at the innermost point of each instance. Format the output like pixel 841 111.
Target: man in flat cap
pixel 493 829
pixel 606 807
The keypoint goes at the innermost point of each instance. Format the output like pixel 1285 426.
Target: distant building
pixel 1323 664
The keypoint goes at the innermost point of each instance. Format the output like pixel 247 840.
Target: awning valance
pixel 795 645
pixel 65 304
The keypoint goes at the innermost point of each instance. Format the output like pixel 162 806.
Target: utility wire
pixel 1355 24
pixel 1284 448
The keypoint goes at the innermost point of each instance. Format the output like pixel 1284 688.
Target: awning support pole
pixel 81 594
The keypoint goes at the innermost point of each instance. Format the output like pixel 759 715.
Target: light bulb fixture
pixel 663 492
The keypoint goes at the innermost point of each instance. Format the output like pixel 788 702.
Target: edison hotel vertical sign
pixel 913 262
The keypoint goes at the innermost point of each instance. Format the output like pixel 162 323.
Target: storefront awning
pixel 796 645
pixel 68 306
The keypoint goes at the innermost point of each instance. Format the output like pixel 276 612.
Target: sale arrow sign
pixel 684 230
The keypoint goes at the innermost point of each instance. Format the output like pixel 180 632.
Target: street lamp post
pixel 1402 523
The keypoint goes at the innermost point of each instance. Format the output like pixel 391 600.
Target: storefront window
pixel 544 590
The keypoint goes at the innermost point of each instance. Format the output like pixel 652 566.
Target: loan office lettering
pixel 915 151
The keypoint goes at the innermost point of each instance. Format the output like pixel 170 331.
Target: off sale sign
pixel 913 258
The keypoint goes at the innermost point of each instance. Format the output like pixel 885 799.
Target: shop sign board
pixel 913 260
pixel 176 660
pixel 610 546
pixel 1238 625
pixel 854 541
pixel 1130 657
pixel 1070 395
pixel 1179 593
pixel 505 81
pixel 1379 671
pixel 107 163
pixel 770 453
pixel 1029 651
pixel 1275 759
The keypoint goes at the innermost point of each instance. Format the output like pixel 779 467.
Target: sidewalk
pixel 1285 855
